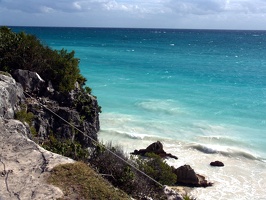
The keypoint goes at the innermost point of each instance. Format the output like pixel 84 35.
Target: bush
pixel 66 147
pixel 27 117
pixel 123 176
pixel 25 51
pixel 158 169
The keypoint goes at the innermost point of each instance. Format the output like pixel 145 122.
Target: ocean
pixel 202 93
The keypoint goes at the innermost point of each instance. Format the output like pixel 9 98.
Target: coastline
pixel 241 178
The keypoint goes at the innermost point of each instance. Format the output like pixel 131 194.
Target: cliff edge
pixel 23 164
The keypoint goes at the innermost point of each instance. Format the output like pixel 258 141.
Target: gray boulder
pixel 30 81
pixel 11 96
pixel 24 166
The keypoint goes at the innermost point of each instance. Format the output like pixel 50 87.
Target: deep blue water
pixel 179 84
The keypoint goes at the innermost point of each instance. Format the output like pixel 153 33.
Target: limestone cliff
pixel 77 107
pixel 23 164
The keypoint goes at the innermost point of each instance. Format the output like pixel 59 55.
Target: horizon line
pixel 107 27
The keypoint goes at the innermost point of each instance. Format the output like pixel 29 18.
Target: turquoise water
pixel 201 92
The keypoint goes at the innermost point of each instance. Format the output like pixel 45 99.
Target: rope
pixel 114 154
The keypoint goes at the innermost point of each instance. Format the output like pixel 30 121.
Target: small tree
pixel 157 168
pixel 25 51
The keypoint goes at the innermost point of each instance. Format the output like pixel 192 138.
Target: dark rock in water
pixel 156 148
pixel 217 164
pixel 187 176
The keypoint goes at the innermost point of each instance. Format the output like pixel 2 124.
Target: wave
pixel 122 134
pixel 169 107
pixel 225 151
pixel 218 139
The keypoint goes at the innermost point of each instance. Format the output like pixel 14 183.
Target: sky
pixel 187 14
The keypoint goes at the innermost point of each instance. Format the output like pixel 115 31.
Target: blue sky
pixel 196 14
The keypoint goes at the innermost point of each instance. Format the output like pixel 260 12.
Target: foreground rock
pixel 156 148
pixel 24 165
pixel 187 176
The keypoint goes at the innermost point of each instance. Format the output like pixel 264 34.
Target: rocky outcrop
pixel 217 164
pixel 24 165
pixel 76 107
pixel 187 176
pixel 11 96
pixel 30 81
pixel 156 148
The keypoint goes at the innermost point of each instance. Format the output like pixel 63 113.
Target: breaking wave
pixel 226 151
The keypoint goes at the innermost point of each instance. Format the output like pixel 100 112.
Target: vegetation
pixel 187 197
pixel 5 73
pixel 27 117
pixel 157 168
pixel 123 176
pixel 66 147
pixel 79 181
pixel 25 51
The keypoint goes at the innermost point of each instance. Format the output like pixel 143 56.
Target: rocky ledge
pixel 77 107
pixel 23 164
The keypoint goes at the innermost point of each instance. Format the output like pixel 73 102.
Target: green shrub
pixel 25 51
pixel 122 175
pixel 5 73
pixel 66 147
pixel 187 197
pixel 27 117
pixel 158 169
pixel 24 116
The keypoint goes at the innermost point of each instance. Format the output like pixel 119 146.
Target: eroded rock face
pixel 76 107
pixel 30 81
pixel 11 95
pixel 24 165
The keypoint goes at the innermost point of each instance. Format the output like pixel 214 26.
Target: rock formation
pixel 77 107
pixel 156 148
pixel 23 164
pixel 187 176
pixel 11 96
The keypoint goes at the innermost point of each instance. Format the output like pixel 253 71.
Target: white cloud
pixel 45 9
pixel 140 13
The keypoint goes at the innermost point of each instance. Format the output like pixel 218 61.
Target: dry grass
pixel 78 181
